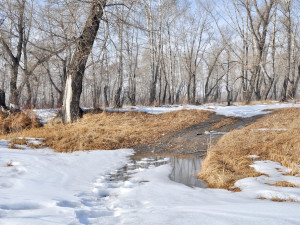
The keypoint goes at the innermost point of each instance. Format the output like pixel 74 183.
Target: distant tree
pixel 14 12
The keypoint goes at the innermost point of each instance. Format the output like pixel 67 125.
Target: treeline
pixel 152 52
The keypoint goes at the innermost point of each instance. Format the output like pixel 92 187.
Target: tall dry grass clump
pixel 17 122
pixel 113 130
pixel 274 137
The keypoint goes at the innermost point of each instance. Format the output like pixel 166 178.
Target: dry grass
pixel 18 141
pixel 228 160
pixel 112 130
pixel 10 123
pixel 278 199
pixel 34 146
pixel 224 122
pixel 266 102
pixel 13 146
pixel 284 184
pixel 9 164
pixel 15 143
pixel 235 189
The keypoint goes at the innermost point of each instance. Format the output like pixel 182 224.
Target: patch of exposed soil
pixel 195 139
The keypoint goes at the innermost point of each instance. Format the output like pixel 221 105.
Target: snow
pixel 272 129
pixel 258 187
pixel 161 201
pixel 44 187
pixel 236 110
pixel 251 110
pixel 45 115
pixel 214 133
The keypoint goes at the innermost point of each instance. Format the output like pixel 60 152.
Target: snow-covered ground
pixel 44 187
pixel 235 110
pixel 45 115
pixel 161 201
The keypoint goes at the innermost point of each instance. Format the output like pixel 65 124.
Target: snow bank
pixel 261 187
pixel 235 110
pixel 252 110
pixel 161 201
pixel 43 187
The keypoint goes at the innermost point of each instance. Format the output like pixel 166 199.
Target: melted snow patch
pixel 271 129
pixel 260 187
pixel 45 115
pixel 214 133
pixel 235 110
pixel 254 157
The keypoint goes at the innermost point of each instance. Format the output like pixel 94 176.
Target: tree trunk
pixel 29 94
pixel 106 93
pixel 153 91
pixel 288 27
pixel 194 89
pixel 294 85
pixel 14 93
pixel 70 109
pixel 2 99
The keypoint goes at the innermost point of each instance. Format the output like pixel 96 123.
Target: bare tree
pixel 195 44
pixel 73 89
pixel 259 27
pixel 286 8
pixel 6 37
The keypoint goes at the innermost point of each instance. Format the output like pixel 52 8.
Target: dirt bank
pixel 195 139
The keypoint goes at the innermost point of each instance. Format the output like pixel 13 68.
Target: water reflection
pixel 185 170
pixel 135 165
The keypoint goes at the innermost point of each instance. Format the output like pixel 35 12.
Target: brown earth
pixel 197 138
pixel 110 131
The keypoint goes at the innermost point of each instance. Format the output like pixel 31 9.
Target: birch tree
pixel 71 109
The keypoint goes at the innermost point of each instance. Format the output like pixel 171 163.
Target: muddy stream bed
pixel 184 150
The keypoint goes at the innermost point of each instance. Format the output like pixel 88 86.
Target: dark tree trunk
pixel 165 93
pixel 178 93
pixel 294 85
pixel 117 99
pixel 29 94
pixel 153 86
pixel 2 99
pixel 132 91
pixel 15 59
pixel 14 92
pixel 194 89
pixel 70 109
pixel 191 88
pixel 284 90
pixel 153 92
pixel 105 92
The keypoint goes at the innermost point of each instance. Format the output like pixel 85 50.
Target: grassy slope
pixel 112 130
pixel 228 161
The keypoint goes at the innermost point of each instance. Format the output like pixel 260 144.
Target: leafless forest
pixel 150 52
